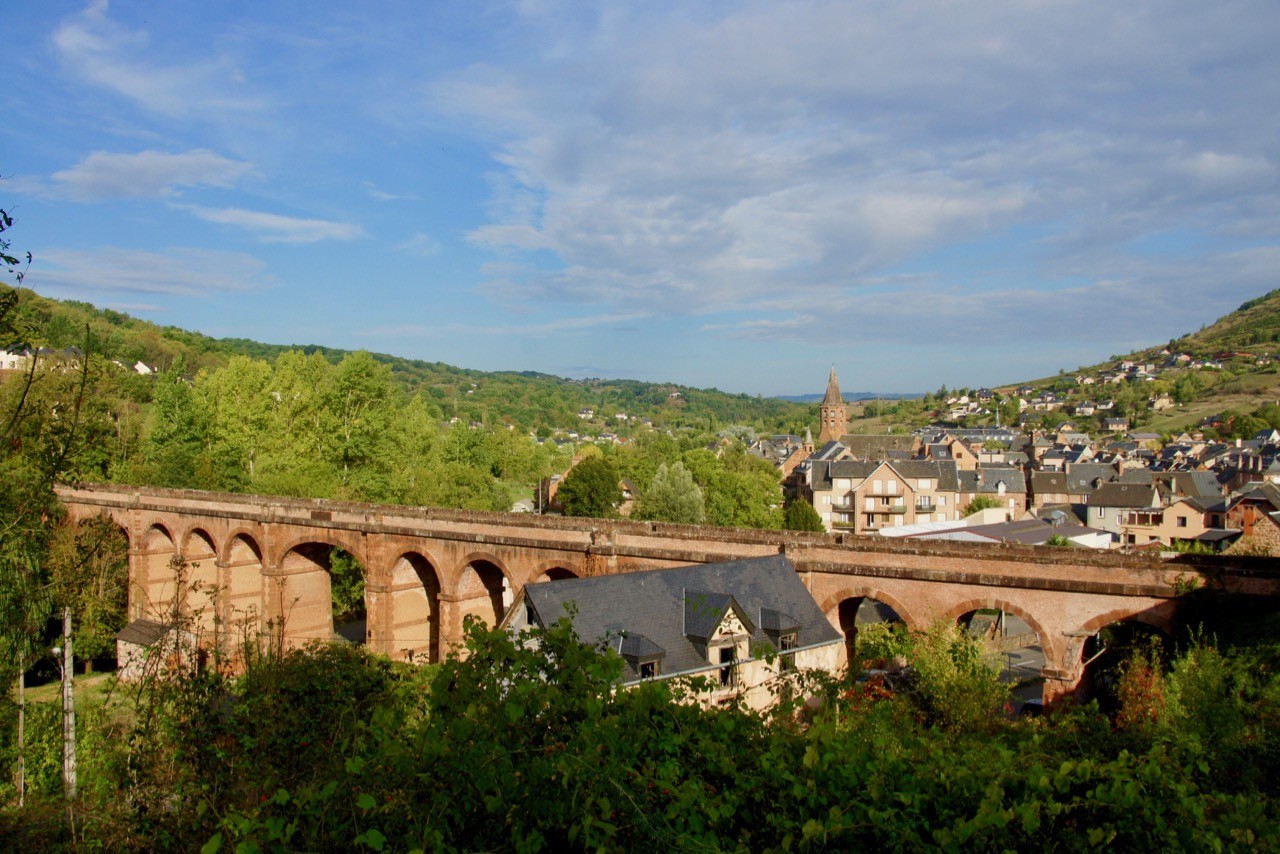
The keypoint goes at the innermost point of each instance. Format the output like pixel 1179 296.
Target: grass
pixel 93 689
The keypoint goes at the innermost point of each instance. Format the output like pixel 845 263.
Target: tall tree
pixel 672 497
pixel 800 516
pixel 590 489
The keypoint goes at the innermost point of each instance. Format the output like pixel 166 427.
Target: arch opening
pixel 555 573
pixel 89 559
pixel 155 594
pixel 243 603
pixel 860 612
pixel 1106 652
pixel 484 592
pixel 319 595
pixel 202 588
pixel 1014 646
pixel 414 631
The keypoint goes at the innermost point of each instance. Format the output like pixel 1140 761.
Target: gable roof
pixel 655 605
pixel 1135 495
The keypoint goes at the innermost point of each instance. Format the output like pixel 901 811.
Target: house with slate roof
pixel 742 625
pixel 1183 522
pixel 1002 483
pixel 863 496
pixel 1115 503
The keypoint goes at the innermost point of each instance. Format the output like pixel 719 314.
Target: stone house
pixel 741 625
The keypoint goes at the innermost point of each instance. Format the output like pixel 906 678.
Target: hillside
pixel 526 399
pixel 1224 379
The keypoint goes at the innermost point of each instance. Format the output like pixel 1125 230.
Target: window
pixel 1102 512
pixel 942 501
pixel 728 671
pixel 1182 521
pixel 648 669
pixel 786 658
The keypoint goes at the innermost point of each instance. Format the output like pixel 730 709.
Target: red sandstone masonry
pixel 1064 594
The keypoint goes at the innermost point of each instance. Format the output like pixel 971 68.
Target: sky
pixel 733 195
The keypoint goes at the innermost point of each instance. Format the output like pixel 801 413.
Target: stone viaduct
pixel 255 561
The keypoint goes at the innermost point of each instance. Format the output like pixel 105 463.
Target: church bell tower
pixel 834 415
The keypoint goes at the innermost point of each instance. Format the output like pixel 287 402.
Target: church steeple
pixel 835 418
pixel 833 397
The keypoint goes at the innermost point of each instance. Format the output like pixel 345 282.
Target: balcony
pixel 926 507
pixel 897 511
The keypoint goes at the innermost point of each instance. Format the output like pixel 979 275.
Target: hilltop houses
pixel 1127 490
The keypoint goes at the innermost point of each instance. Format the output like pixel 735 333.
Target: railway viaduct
pixel 243 562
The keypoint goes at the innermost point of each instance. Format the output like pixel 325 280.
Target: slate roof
pixel 143 632
pixel 1135 495
pixel 875 447
pixel 1048 482
pixel 658 607
pixel 1081 477
pixel 988 480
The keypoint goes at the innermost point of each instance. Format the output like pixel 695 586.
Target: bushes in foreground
pixel 527 747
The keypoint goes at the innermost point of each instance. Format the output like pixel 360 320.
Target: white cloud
pixel 420 244
pixel 704 161
pixel 148 173
pixel 275 228
pixel 110 56
pixel 174 272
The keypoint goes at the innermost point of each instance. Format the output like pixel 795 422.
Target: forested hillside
pixel 527 400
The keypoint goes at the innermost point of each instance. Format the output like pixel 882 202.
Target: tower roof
pixel 833 397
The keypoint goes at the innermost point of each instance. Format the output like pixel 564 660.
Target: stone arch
pixel 842 609
pixel 153 591
pixel 353 545
pixel 554 570
pixel 413 624
pixel 1048 643
pixel 484 588
pixel 244 608
pixel 1098 662
pixel 832 603
pixel 203 584
pixel 1156 617
pixel 300 592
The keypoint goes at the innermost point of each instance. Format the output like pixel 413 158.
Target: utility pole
pixel 22 724
pixel 68 713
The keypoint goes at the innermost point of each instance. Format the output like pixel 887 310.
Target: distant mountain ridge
pixel 852 396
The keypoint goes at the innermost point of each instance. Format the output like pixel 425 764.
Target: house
pixel 881 447
pixel 743 625
pixel 1113 504
pixel 1002 483
pixel 148 647
pixel 862 496
pixel 1115 425
pixel 1028 532
pixel 1184 521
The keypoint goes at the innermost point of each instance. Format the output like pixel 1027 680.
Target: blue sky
pixel 734 195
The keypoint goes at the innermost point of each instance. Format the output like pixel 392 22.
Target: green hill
pixel 525 399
